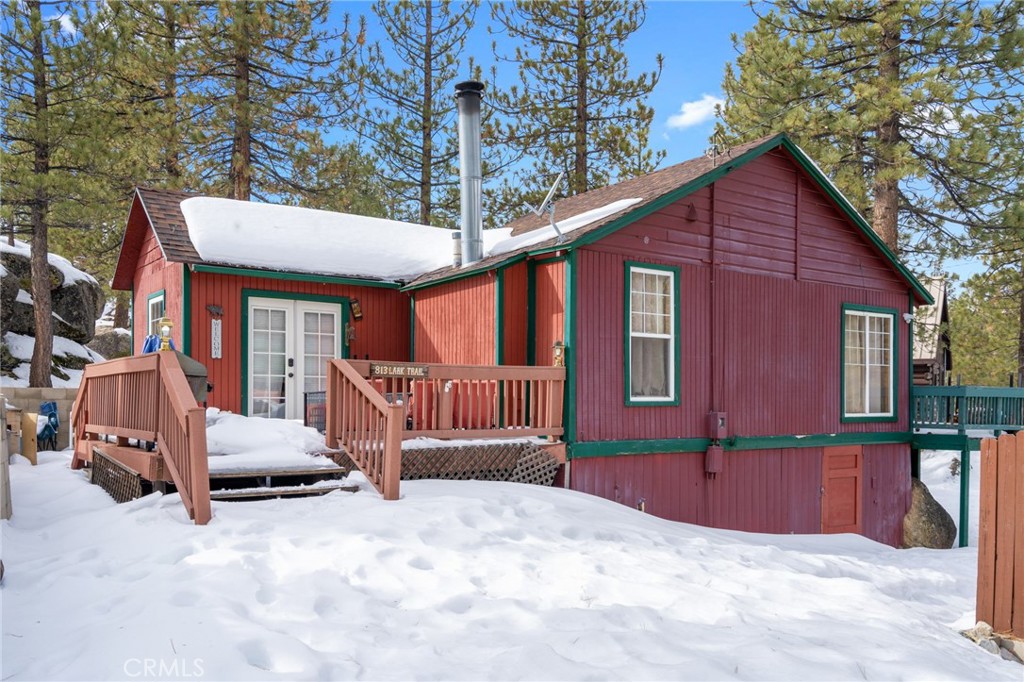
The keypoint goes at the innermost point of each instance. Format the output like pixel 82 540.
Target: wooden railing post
pixel 392 472
pixel 200 466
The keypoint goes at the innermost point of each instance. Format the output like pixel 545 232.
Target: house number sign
pixel 383 370
pixel 215 339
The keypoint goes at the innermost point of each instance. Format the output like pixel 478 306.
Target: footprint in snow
pixel 421 563
pixel 185 598
pixel 256 654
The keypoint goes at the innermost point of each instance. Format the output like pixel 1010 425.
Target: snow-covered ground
pixel 461 580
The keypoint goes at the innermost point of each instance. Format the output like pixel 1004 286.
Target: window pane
pixel 649 368
pixel 854 390
pixel 260 318
pixel 310 323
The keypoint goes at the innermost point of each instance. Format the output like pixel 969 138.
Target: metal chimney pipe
pixel 468 95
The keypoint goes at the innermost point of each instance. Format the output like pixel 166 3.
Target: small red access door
pixel 841 488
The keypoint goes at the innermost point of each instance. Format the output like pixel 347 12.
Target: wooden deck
pixel 372 407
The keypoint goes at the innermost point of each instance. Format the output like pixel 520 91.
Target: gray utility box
pixel 196 374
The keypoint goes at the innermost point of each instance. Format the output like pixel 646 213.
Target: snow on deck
pixel 236 443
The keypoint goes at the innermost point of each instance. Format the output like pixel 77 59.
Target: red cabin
pixel 737 340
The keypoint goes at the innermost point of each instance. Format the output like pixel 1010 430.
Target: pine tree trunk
pixel 885 215
pixel 172 160
pixel 121 307
pixel 241 148
pixel 427 125
pixel 578 181
pixel 42 353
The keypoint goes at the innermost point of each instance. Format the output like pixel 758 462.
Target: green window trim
pixel 894 376
pixel 160 296
pixel 674 351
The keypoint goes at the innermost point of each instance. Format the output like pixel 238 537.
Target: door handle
pixel 291 362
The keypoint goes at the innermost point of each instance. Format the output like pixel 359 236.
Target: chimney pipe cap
pixel 469 88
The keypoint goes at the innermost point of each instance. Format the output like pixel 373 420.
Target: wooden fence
pixel 1001 535
pixel 372 407
pixel 147 398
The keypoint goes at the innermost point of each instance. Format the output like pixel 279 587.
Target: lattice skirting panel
pixel 120 482
pixel 516 462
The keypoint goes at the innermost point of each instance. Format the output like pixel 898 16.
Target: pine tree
pixel 55 131
pixel 410 117
pixel 576 107
pixel 914 109
pixel 274 77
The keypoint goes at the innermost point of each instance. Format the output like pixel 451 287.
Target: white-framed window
pixel 651 334
pixel 869 347
pixel 156 307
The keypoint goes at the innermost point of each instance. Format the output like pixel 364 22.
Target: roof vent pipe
pixel 468 95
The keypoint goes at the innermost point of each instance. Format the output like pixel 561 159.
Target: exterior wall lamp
pixel 559 353
pixel 165 333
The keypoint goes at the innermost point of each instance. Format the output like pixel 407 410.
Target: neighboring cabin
pixel 747 287
pixel 933 359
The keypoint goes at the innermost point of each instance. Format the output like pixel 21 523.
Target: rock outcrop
pixel 77 297
pixel 927 524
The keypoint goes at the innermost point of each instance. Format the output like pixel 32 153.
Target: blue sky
pixel 693 37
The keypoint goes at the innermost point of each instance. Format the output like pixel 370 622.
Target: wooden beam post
pixel 392 473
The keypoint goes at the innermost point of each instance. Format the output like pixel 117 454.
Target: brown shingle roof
pixel 648 188
pixel 163 206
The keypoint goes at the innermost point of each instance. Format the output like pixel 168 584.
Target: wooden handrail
pixel 361 421
pixel 968 407
pixel 142 397
pixel 369 415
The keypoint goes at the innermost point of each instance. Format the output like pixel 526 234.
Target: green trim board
pixel 470 271
pixel 627 337
pixel 734 444
pixel 894 345
pixel 186 311
pixel 571 349
pixel 293 276
pixel 343 301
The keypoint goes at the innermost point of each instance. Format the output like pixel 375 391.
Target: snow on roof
pixel 567 225
pixel 70 272
pixel 296 239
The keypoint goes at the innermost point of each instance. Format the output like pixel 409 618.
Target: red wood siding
pixel 757 342
pixel 153 274
pixel 382 333
pixel 455 321
pixel 549 310
pixel 514 319
pixel 765 491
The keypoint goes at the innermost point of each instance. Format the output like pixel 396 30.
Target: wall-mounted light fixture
pixel 166 324
pixel 559 352
pixel 357 310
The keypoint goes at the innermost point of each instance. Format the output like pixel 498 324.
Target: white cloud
pixel 695 112
pixel 67 24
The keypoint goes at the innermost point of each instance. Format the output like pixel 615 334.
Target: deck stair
pixel 128 472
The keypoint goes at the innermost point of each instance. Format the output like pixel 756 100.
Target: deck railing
pixel 968 407
pixel 373 406
pixel 147 398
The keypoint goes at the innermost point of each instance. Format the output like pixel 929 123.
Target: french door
pixel 290 343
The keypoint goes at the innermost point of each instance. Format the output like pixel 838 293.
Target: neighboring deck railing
pixel 968 407
pixel 147 398
pixel 373 406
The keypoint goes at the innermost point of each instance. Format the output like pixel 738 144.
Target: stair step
pixel 279 473
pixel 280 491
